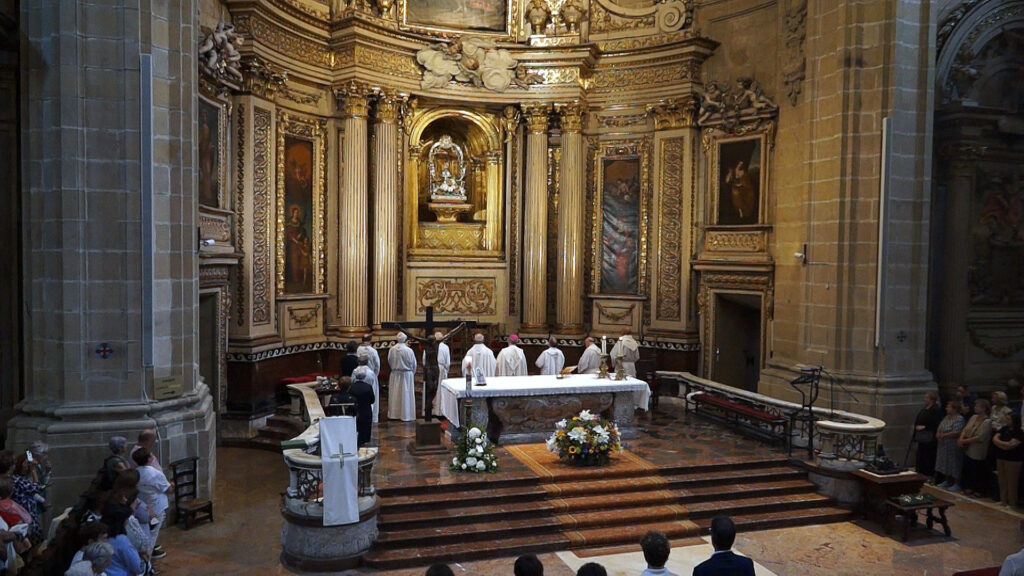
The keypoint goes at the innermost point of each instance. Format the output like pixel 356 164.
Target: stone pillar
pixel 386 198
pixel 352 272
pixel 953 301
pixel 571 254
pixel 110 253
pixel 535 222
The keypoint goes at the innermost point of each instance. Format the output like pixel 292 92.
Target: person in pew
pixel 724 562
pixel 511 360
pixel 656 550
pixel 362 393
pixel 551 360
pixel 528 565
pixel 590 361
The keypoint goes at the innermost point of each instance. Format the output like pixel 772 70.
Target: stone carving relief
pixel 670 229
pixel 472 296
pixel 673 113
pixel 240 285
pixel 219 58
pixel 262 211
pixel 996 274
pixel 795 68
pixel 475 61
pixel 536 413
pixel 980 51
pixel 262 79
pixel 665 15
pixel 730 105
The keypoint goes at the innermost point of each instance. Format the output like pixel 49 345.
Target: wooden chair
pixel 187 505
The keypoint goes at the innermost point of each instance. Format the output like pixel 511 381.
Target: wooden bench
pixel 909 513
pixel 738 411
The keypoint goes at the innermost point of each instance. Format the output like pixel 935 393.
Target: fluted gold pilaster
pixel 535 234
pixel 569 311
pixel 385 210
pixel 352 270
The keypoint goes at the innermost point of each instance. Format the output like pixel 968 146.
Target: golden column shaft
pixel 352 209
pixel 569 311
pixel 536 220
pixel 386 197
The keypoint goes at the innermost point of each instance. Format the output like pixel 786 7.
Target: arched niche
pixel 478 230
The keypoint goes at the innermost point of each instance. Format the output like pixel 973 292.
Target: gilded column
pixel 352 283
pixel 569 311
pixel 386 198
pixel 536 219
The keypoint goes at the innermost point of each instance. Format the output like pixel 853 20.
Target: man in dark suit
pixel 350 360
pixel 362 392
pixel 724 562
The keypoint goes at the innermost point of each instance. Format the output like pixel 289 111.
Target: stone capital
pixel 572 116
pixel 389 107
pixel 674 113
pixel 353 99
pixel 537 115
pixel 261 79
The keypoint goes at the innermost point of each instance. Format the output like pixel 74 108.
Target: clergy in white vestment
pixel 401 383
pixel 629 350
pixel 479 357
pixel 551 360
pixel 444 364
pixel 372 357
pixel 590 361
pixel 371 379
pixel 511 360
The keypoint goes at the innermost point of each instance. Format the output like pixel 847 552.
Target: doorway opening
pixel 737 345
pixel 209 349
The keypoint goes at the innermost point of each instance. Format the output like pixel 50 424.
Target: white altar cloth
pixel 452 389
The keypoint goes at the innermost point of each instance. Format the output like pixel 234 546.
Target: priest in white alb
pixel 371 379
pixel 479 357
pixel 551 360
pixel 590 361
pixel 627 351
pixel 444 363
pixel 401 383
pixel 511 360
pixel 372 357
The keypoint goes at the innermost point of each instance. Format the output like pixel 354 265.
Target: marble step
pixel 619 535
pixel 825 514
pixel 435 500
pixel 621 517
pixel 735 463
pixel 739 475
pixel 756 505
pixel 440 532
pixel 732 491
pixel 455 551
pixel 289 422
pixel 484 484
pixel 614 501
pixel 488 512
pixel 276 433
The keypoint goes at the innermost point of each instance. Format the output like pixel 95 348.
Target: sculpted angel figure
pixel 710 102
pixel 473 60
pixel 218 53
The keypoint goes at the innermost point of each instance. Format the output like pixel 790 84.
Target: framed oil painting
pixel 620 234
pixel 481 16
pixel 739 178
pixel 300 205
pixel 211 148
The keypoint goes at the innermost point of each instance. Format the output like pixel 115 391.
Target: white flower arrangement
pixel 473 453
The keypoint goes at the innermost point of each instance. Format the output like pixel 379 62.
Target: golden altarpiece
pixel 565 167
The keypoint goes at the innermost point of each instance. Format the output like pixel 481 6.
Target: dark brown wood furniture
pixel 935 511
pixel 187 504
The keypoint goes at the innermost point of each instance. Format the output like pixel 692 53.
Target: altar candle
pixel 604 345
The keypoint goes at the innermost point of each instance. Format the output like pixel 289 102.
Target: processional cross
pixel 430 345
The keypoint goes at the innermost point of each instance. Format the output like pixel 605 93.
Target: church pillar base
pixel 428 439
pixel 569 329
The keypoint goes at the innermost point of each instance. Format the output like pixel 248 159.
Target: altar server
pixel 444 364
pixel 401 383
pixel 365 399
pixel 371 379
pixel 590 362
pixel 479 357
pixel 372 357
pixel 511 360
pixel 551 360
pixel 627 351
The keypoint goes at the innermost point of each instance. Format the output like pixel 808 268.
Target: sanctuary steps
pixel 586 508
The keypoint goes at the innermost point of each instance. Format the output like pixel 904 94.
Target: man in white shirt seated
pixel 479 357
pixel 551 360
pixel 511 360
pixel 590 361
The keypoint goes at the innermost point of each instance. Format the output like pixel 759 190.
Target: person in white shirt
pixel 511 360
pixel 590 361
pixel 372 357
pixel 1013 565
pixel 371 379
pixel 627 351
pixel 401 383
pixel 551 360
pixel 153 490
pixel 656 550
pixel 479 357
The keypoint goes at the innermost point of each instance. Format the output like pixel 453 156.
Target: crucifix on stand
pixel 428 430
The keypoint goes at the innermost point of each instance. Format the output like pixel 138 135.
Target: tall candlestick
pixel 604 345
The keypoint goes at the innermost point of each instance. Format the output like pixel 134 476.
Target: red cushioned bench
pixel 736 411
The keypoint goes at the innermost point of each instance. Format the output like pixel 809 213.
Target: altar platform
pixel 674 475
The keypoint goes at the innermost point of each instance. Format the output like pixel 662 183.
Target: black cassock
pixel 362 393
pixel 349 363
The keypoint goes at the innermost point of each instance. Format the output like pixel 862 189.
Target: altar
pixel 521 409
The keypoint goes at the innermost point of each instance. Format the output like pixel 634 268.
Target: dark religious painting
pixel 739 181
pixel 996 273
pixel 483 15
pixel 620 225
pixel 298 216
pixel 209 154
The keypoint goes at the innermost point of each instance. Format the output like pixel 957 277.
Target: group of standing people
pixel 959 448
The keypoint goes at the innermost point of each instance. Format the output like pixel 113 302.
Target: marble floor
pixel 245 539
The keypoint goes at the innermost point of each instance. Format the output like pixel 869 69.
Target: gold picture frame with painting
pixel 301 205
pixel 497 18
pixel 212 144
pixel 738 176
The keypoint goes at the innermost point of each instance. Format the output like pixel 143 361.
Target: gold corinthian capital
pixel 537 115
pixel 572 116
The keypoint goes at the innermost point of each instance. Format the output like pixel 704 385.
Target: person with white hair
pixel 371 379
pixel 512 360
pixel 363 395
pixel 627 351
pixel 590 361
pixel 372 357
pixel 95 560
pixel 551 360
pixel 401 383
pixel 479 357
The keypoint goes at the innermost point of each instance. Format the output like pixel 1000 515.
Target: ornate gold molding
pixel 761 283
pixel 261 79
pixel 510 122
pixel 389 107
pixel 353 99
pixel 654 75
pixel 537 117
pixel 472 296
pixel 240 187
pixel 736 241
pixel 261 216
pixel 674 113
pixel 284 41
pixel 670 229
pixel 731 108
pixel 572 116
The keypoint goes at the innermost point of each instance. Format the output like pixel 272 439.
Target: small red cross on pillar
pixel 104 351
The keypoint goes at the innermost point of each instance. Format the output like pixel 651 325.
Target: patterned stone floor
pixel 245 539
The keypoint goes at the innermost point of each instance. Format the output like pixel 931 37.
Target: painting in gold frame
pixel 493 17
pixel 301 201
pixel 739 178
pixel 621 184
pixel 212 146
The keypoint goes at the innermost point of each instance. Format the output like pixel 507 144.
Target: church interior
pixel 802 216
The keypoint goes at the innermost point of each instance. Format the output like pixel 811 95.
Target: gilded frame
pixel 221 152
pixel 511 32
pixel 315 131
pixel 640 148
pixel 714 142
